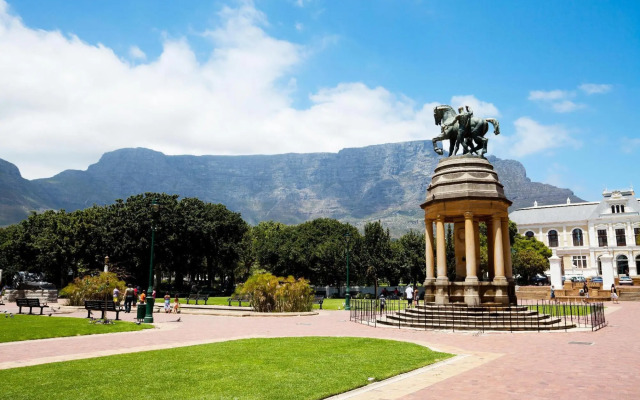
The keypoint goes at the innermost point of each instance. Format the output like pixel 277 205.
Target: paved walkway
pixel 488 366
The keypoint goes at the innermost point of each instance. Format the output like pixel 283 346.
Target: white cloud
pixel 136 53
pixel 65 102
pixel 531 137
pixel 480 108
pixel 537 95
pixel 595 88
pixel 567 106
pixel 630 145
pixel 299 26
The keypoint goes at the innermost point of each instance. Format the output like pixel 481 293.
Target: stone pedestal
pixel 501 286
pixel 429 290
pixel 442 291
pixel 471 291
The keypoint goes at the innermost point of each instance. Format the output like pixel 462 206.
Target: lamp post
pixel 148 318
pixel 347 297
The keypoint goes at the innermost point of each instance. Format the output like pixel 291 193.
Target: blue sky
pixel 78 79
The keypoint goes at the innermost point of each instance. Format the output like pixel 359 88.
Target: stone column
pixel 499 281
pixel 471 292
pixel 490 249
pixel 429 282
pixel 556 271
pixel 442 282
pixel 508 267
pixel 608 274
pixel 460 249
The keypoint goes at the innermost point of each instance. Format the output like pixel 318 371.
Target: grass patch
pixel 29 327
pixel 562 309
pixel 280 368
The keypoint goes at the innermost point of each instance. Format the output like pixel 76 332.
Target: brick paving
pixel 490 366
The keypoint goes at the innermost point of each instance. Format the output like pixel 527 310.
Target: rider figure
pixel 464 128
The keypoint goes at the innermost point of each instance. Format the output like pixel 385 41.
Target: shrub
pixel 92 288
pixel 270 293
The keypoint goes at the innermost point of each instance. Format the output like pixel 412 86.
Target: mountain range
pixel 386 182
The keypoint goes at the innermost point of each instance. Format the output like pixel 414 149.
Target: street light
pixel 347 297
pixel 148 318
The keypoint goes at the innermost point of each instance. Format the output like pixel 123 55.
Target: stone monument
pixel 465 191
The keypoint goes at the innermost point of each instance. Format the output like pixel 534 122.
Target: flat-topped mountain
pixel 385 182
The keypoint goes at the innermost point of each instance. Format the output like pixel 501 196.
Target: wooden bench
pixel 197 297
pixel 239 299
pixel 102 306
pixel 318 300
pixel 30 303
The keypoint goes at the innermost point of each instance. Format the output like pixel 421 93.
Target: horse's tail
pixel 496 125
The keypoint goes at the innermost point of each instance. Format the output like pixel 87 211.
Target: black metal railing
pixel 530 315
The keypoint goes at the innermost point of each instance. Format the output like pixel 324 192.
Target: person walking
pixel 614 294
pixel 176 305
pixel 416 298
pixel 409 294
pixel 128 299
pixel 585 290
pixel 553 294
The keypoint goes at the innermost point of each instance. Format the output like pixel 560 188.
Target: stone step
pixel 556 325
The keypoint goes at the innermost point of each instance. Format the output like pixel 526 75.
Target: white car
pixel 625 280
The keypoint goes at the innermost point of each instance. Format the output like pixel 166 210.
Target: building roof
pixel 554 214
pixel 577 212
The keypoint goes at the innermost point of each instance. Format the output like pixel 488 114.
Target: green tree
pixel 530 257
pixel 409 259
pixel 376 252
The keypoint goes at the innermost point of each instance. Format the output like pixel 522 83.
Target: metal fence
pixel 526 315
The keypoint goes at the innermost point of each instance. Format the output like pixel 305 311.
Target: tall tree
pixel 376 252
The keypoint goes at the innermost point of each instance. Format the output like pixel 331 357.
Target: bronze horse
pixel 443 116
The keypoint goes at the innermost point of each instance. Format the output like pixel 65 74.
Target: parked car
pixel 625 280
pixel 578 279
pixel 540 280
pixel 596 279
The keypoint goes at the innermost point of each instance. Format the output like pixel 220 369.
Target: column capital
pixel 439 218
pixel 468 215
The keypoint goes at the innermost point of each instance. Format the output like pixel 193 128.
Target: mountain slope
pixel 386 182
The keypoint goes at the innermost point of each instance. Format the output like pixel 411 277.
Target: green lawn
pixel 280 368
pixel 561 309
pixel 29 327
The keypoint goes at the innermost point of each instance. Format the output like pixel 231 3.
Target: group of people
pixel 131 295
pixel 411 294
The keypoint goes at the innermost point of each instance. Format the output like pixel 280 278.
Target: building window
pixel 637 264
pixel 553 238
pixel 613 209
pixel 621 240
pixel 599 265
pixel 602 237
pixel 622 265
pixel 577 237
pixel 636 233
pixel 580 261
pixel 529 234
pixel 622 208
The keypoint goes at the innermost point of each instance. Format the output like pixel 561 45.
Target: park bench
pixel 318 300
pixel 30 303
pixel 102 306
pixel 239 299
pixel 198 296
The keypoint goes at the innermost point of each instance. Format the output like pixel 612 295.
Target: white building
pixel 581 233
